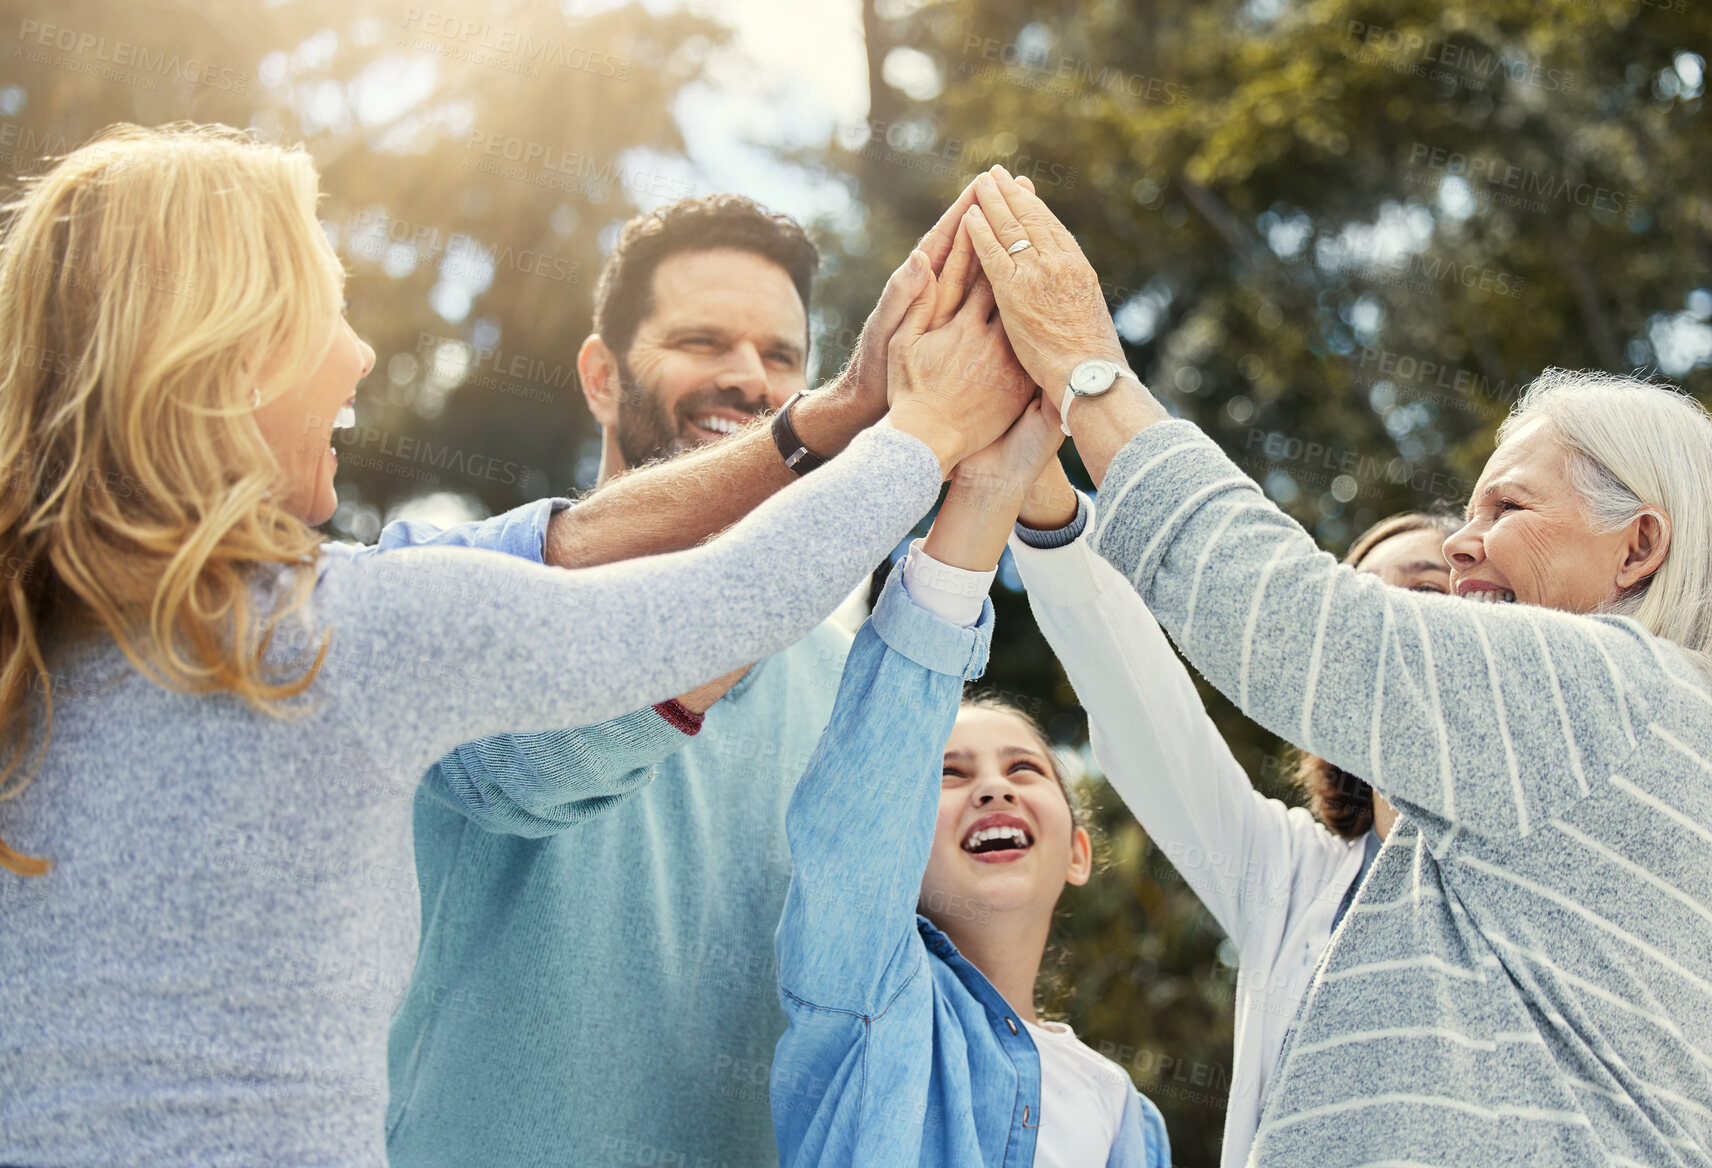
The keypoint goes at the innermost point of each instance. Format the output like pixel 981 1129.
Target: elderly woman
pixel 1526 976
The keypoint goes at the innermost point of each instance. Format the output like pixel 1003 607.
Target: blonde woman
pixel 213 726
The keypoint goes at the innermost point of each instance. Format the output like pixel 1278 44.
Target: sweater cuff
pixel 930 641
pixel 680 715
pixel 1060 536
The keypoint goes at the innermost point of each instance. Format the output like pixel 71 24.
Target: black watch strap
pixel 797 456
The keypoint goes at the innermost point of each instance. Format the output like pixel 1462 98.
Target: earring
pixel 256 398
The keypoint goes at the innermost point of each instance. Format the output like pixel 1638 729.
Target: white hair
pixel 1635 447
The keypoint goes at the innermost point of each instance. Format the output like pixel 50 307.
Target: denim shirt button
pixel 1011 1024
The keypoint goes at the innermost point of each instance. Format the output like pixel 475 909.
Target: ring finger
pixel 1000 218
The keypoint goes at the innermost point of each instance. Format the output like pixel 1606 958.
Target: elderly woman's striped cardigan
pixel 1526 977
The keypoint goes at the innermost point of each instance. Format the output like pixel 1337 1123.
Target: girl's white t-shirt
pixel 1082 1099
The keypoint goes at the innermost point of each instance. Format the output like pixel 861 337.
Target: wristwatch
pixel 1090 379
pixel 798 457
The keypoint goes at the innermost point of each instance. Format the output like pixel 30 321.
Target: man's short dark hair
pixel 624 295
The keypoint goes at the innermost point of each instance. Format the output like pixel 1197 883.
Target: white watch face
pixel 1092 377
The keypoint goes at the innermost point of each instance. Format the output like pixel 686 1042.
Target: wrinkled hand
pixel 958 386
pixel 1048 295
pixel 864 376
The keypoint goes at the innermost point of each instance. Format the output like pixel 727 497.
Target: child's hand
pixel 1004 470
pixel 987 490
pixel 1051 502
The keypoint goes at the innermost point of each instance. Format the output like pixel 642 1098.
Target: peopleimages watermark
pixel 489 367
pixel 955 157
pixel 1496 182
pixel 375 445
pixel 570 171
pixel 1419 55
pixel 1421 273
pixel 45 474
pixel 373 232
pixel 94 54
pixel 19 144
pixel 79 266
pixel 1460 388
pixel 1062 76
pixel 625 1149
pixel 1317 459
pixel 511 50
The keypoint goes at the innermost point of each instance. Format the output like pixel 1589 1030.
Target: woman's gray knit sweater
pixel 207 974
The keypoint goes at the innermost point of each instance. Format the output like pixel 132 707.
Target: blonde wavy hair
pixel 150 282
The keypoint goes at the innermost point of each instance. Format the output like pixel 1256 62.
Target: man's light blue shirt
pixel 595 982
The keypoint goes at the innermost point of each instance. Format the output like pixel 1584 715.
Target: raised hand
pixel 1048 293
pixel 959 386
pixel 1050 502
pixel 988 489
pixel 862 382
pixel 1000 474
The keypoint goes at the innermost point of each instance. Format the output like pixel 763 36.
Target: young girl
pixel 931 840
pixel 213 728
pixel 1278 883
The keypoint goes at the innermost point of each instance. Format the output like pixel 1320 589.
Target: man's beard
pixel 647 430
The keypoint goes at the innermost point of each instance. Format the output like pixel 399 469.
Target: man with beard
pixel 599 989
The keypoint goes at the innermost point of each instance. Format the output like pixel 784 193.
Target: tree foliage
pixel 1339 235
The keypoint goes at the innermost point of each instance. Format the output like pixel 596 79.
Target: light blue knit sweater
pixel 206 976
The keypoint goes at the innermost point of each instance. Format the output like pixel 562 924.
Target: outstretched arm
pixel 438 648
pixel 678 503
pixel 1490 720
pixel 1242 853
pixel 896 704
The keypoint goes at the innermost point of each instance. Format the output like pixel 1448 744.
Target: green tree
pixel 1339 235
pixel 471 156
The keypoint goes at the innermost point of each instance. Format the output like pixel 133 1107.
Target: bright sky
pixel 798 70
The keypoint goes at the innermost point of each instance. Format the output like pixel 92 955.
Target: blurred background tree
pixel 1337 234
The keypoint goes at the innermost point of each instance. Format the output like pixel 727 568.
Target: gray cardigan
pixel 207 974
pixel 1526 976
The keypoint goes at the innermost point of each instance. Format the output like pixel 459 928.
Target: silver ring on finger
pixel 1020 245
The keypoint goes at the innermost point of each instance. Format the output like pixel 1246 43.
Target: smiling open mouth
pixel 1004 838
pixel 1491 595
pixel 716 423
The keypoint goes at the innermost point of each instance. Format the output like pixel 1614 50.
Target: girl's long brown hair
pixel 150 282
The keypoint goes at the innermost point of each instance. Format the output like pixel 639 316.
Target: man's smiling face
pixel 726 341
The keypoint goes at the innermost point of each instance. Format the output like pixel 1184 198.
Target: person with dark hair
pixel 607 961
pixel 700 326
pixel 931 838
pixel 1277 882
pixel 213 722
